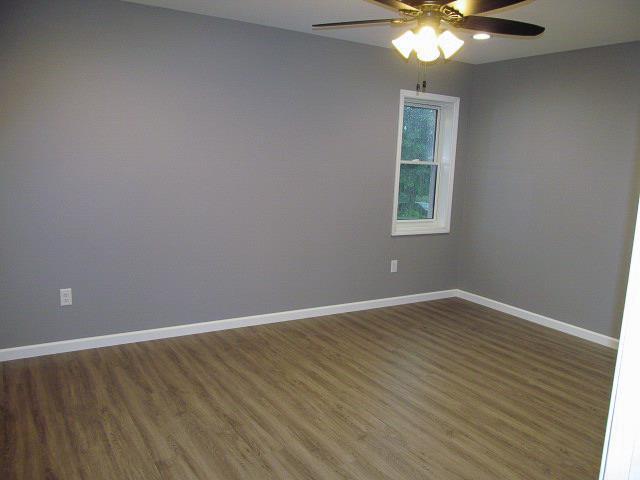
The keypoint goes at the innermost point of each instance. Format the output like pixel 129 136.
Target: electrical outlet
pixel 65 297
pixel 394 266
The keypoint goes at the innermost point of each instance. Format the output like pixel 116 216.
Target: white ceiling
pixel 571 24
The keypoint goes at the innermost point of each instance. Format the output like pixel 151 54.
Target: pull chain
pixel 421 86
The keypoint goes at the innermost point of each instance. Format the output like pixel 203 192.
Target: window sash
pixel 436 157
pixel 418 162
pixel 436 140
pixel 434 182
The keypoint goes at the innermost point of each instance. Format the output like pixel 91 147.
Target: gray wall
pixel 174 168
pixel 550 183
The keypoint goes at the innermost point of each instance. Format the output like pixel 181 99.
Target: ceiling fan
pixel 429 40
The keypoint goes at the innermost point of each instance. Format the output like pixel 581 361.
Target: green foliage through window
pixel 418 133
pixel 416 192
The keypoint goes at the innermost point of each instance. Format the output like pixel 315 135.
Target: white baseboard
pixel 540 319
pixel 212 326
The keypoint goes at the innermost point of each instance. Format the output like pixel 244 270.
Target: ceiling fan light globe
pixel 426 45
pixel 426 36
pixel 405 43
pixel 449 44
pixel 428 54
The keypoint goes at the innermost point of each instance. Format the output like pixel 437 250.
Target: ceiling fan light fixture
pixel 405 43
pixel 449 43
pixel 426 45
pixel 428 40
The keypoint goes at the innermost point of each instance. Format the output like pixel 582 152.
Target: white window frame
pixel 444 157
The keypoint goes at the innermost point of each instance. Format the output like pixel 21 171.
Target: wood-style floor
pixel 440 390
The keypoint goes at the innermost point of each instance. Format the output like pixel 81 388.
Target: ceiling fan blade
pixel 501 26
pixel 398 5
pixel 471 7
pixel 359 22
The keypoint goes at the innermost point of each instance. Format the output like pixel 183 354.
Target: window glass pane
pixel 418 133
pixel 416 195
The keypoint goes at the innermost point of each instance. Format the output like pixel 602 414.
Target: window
pixel 427 134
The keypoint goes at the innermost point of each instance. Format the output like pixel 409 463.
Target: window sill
pixel 418 228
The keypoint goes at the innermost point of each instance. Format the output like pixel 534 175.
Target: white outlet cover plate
pixel 65 297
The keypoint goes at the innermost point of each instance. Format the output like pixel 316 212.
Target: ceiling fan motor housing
pixel 432 14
